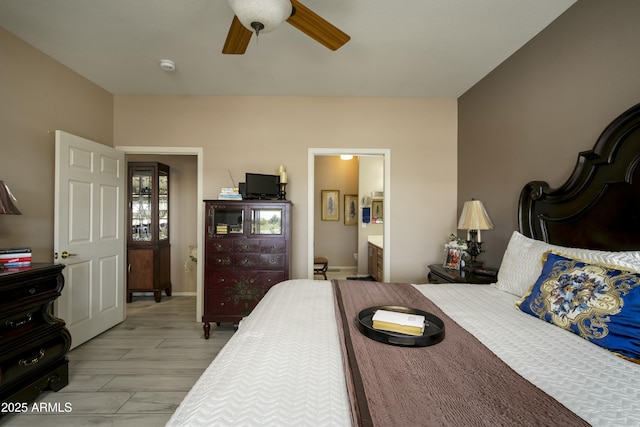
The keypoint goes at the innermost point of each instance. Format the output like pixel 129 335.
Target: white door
pixel 89 235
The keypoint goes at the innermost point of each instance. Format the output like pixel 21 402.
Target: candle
pixel 468 235
pixel 479 240
pixel 280 169
pixel 283 177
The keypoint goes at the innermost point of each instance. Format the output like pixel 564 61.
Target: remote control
pixel 484 272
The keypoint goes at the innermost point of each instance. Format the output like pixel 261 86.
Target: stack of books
pixel 393 321
pixel 230 193
pixel 15 257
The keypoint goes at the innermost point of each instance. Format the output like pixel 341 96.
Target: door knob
pixel 66 255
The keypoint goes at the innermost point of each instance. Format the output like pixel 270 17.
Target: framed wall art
pixel 350 209
pixel 330 205
pixel 377 211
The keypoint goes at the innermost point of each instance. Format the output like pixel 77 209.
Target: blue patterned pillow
pixel 599 303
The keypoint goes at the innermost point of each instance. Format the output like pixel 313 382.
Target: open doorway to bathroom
pixel 365 180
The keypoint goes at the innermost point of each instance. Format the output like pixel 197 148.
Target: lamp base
pixel 474 248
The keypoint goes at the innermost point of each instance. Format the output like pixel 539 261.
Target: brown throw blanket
pixel 458 382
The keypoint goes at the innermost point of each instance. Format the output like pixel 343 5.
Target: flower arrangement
pixel 192 258
pixel 456 241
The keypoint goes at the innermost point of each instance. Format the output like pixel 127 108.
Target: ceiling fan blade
pixel 310 23
pixel 237 38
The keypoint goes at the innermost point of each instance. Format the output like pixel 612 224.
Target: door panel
pixel 89 227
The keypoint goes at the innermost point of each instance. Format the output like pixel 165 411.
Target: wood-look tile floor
pixel 135 374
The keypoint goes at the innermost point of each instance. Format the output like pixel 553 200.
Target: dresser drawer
pixel 219 245
pixel 33 359
pixel 224 282
pixel 238 293
pixel 273 246
pixel 21 323
pixel 246 246
pixel 272 260
pixel 30 290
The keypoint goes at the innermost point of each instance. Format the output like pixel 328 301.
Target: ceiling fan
pixel 262 16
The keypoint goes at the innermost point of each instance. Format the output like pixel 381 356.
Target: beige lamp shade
pixel 8 203
pixel 474 217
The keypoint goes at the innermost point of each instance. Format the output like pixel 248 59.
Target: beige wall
pixel 529 118
pixel 334 239
pixel 39 95
pixel 240 134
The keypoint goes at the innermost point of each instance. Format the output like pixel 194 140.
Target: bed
pixel 515 352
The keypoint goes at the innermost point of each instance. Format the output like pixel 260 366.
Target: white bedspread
pixel 283 366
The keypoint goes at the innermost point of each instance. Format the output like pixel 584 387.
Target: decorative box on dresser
pixel 247 251
pixel 148 244
pixel 33 343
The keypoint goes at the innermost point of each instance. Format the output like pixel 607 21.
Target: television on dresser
pixel 260 186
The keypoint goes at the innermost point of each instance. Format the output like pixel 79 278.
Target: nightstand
pixel 439 274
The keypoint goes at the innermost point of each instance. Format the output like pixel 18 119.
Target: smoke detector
pixel 167 65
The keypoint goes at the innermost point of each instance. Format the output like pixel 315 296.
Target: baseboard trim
pixel 344 268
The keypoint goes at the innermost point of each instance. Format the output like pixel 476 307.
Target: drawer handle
pixel 32 291
pixel 13 324
pixel 32 361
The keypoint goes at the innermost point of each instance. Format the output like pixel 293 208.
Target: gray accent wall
pixel 531 116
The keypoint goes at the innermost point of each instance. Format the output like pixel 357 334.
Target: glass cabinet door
pixel 226 220
pixel 266 221
pixel 163 205
pixel 148 217
pixel 142 205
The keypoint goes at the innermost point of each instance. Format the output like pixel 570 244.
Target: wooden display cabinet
pixel 148 244
pixel 247 251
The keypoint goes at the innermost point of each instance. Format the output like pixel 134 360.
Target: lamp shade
pixel 474 217
pixel 8 203
pixel 269 13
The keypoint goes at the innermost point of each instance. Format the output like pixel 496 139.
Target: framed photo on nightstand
pixel 453 257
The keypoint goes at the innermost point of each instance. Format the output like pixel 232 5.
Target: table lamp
pixel 474 218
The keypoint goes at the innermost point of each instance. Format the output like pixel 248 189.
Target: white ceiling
pixel 398 48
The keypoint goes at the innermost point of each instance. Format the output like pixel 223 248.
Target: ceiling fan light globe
pixel 270 13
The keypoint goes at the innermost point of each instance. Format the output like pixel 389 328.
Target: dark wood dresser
pixel 247 251
pixel 33 343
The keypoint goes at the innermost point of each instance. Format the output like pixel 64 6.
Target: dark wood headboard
pixel 599 205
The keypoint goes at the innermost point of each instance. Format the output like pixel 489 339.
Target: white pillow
pixel 522 262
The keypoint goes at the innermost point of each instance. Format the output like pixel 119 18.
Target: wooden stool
pixel 320 265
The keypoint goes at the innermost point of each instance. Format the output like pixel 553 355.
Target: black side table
pixel 439 274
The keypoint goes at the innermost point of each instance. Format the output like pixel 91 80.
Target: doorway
pixel 313 200
pixel 198 153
